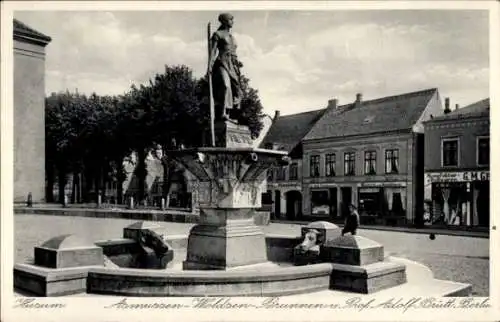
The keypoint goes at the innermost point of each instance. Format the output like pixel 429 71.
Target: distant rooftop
pixel 287 131
pixel 477 109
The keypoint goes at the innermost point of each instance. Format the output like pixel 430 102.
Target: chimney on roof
pixel 333 103
pixel 276 114
pixel 457 106
pixel 359 99
pixel 447 105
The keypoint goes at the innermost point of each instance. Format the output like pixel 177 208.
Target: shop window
pixel 349 163
pixel 370 203
pixel 293 171
pixel 314 166
pixel 449 201
pixel 320 203
pixel 483 151
pixel 392 161
pixel 449 152
pixel 330 165
pixel 370 162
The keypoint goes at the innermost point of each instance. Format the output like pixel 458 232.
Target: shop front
pixel 382 203
pixel 460 198
pixel 320 203
pixel 324 201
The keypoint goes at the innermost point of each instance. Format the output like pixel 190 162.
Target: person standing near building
pixel 351 221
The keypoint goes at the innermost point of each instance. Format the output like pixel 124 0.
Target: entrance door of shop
pixel 483 204
pixel 277 203
pixel 333 203
pixel 293 204
pixel 346 200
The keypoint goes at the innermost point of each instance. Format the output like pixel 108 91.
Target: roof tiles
pixel 379 115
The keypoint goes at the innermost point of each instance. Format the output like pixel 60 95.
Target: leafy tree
pixel 91 137
pixel 175 116
pixel 138 105
pixel 251 107
pixel 62 144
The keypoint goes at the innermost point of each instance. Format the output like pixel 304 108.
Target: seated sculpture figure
pixel 150 240
pixel 155 241
pixel 308 251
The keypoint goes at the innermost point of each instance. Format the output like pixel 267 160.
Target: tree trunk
pixel 120 178
pixel 97 185
pixel 62 180
pixel 73 187
pixel 79 187
pixel 49 189
pixel 168 171
pixel 141 173
pixel 88 180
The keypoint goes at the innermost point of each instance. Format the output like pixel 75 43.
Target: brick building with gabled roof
pixel 457 166
pixel 369 153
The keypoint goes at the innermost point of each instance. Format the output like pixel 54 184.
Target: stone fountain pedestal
pixel 230 178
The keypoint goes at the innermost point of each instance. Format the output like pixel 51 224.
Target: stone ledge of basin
pixel 211 277
pixel 243 291
pixel 129 241
pixel 370 270
pixel 282 240
pixel 53 274
pixel 113 242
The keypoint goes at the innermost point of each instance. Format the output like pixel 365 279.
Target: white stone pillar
pixel 468 205
pixel 283 203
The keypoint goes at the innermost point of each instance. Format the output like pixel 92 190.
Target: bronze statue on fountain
pixel 225 88
pixel 224 71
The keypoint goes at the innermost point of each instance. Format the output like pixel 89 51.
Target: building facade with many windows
pixel 369 153
pixel 457 164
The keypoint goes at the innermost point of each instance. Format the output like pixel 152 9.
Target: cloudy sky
pixel 296 59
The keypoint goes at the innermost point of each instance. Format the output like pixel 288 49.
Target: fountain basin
pixel 272 281
pixel 277 277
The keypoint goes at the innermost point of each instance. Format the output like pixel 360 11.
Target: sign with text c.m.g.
pixel 463 176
